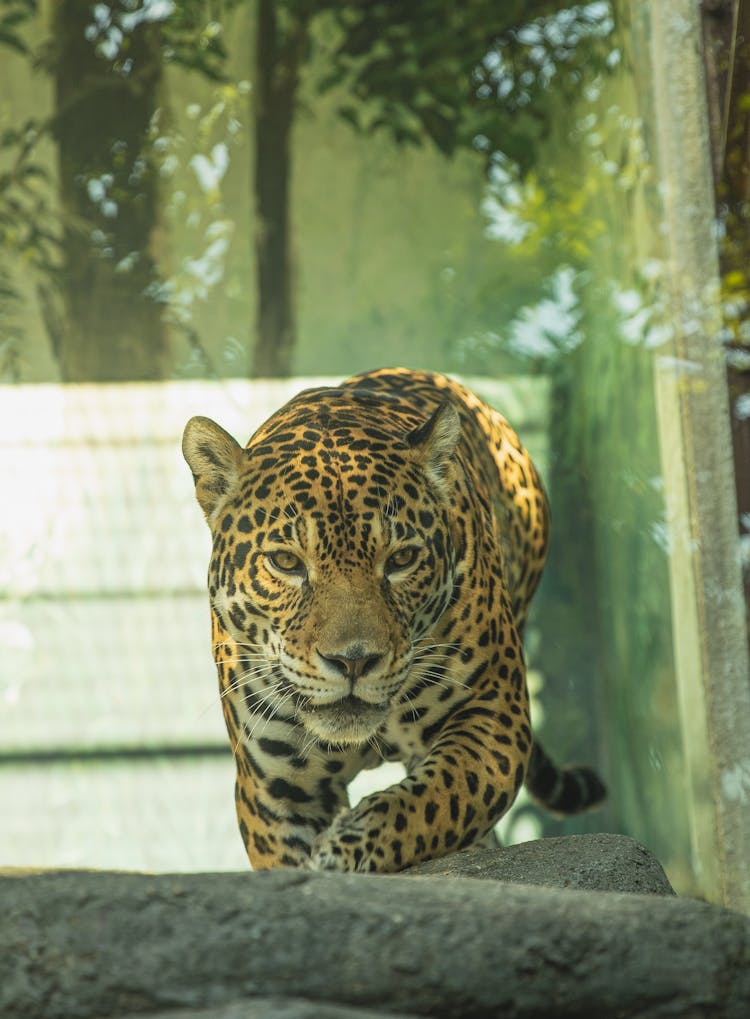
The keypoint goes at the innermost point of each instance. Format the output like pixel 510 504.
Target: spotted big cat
pixel 376 546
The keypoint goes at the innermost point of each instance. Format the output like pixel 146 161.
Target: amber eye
pixel 400 559
pixel 285 562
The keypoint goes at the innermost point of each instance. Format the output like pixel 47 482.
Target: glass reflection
pixel 195 192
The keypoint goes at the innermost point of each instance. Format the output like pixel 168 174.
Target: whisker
pixel 310 747
pixel 376 745
pixel 255 660
pixel 276 708
pixel 442 679
pixel 426 647
pixel 258 667
pixel 255 672
pixel 238 644
pixel 412 706
pixel 265 691
pixel 221 695
pixel 246 679
pixel 236 747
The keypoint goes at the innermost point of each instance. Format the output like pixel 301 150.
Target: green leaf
pixel 351 115
pixel 9 138
pixel 13 41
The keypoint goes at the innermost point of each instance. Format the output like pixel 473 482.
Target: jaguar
pixel 375 549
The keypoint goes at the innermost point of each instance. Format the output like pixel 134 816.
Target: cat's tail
pixel 562 790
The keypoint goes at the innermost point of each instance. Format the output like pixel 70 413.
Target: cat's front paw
pixel 342 845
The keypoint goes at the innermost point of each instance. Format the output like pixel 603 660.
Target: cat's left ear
pixel 435 441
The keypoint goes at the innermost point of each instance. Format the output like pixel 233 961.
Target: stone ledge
pixel 274 1008
pixel 602 863
pixel 298 945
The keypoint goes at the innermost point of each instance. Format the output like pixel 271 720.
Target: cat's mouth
pixel 349 720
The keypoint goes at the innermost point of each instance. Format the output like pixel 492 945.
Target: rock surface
pixel 602 863
pixel 299 945
pixel 275 1008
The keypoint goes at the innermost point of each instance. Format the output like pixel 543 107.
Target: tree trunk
pixel 106 88
pixel 726 52
pixel 280 49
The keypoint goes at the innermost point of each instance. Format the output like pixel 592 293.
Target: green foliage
pixel 471 75
pixel 22 234
pixel 193 162
pixel 556 219
pixel 194 38
pixel 34 227
pixel 29 240
pixel 14 18
pixel 483 77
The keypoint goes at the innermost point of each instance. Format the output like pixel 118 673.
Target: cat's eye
pixel 400 559
pixel 286 562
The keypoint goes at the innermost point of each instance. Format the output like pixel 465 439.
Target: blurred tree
pixel 26 235
pixel 282 43
pixel 726 53
pixel 107 70
pixel 473 75
pixel 97 245
pixel 107 61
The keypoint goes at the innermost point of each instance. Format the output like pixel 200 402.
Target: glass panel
pixel 195 196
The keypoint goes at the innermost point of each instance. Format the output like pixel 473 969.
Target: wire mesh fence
pixel 112 746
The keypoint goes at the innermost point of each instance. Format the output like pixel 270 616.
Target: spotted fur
pixel 375 550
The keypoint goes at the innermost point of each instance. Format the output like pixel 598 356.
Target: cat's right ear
pixel 214 458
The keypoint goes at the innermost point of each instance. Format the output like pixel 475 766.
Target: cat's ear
pixel 214 458
pixel 435 442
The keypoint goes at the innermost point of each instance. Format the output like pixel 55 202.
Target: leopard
pixel 375 549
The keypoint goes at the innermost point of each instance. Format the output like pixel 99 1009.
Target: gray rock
pixel 273 1008
pixel 80 945
pixel 605 863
